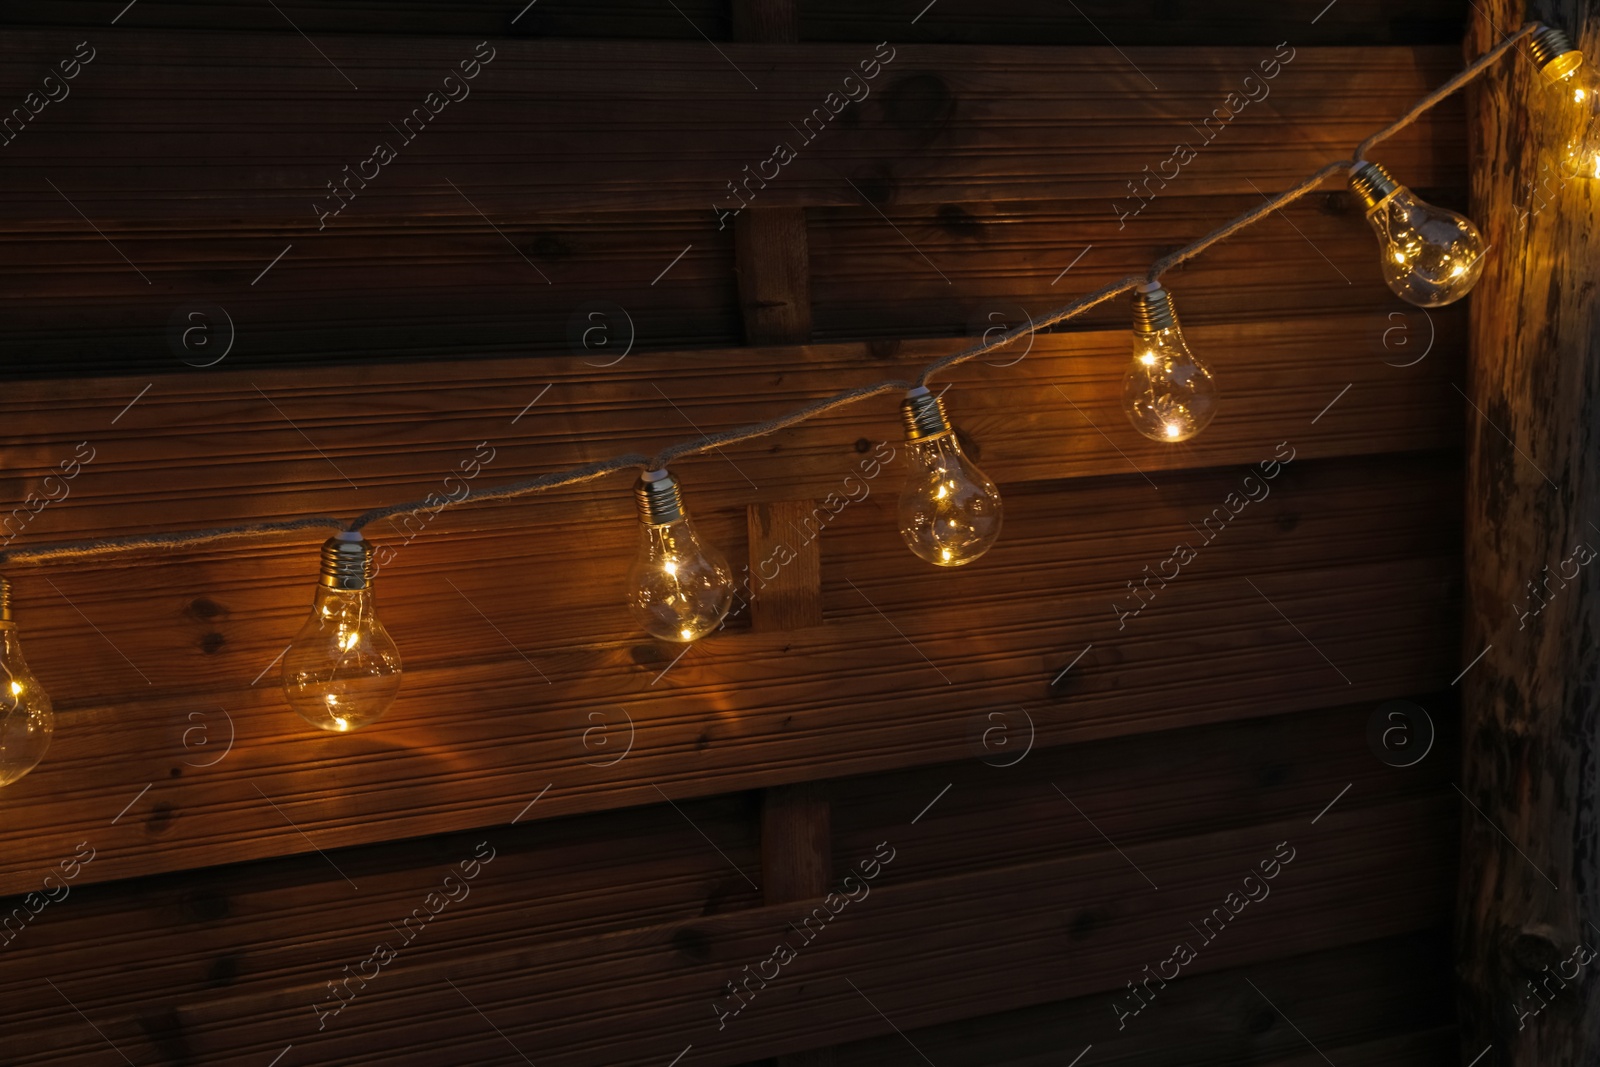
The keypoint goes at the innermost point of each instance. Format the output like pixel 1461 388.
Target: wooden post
pixel 796 849
pixel 771 253
pixel 1530 866
pixel 772 257
pixel 771 21
pixel 796 822
pixel 783 543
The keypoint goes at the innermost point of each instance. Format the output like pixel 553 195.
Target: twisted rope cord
pixel 773 425
pixel 586 473
pixel 1266 207
pixel 1077 307
pixel 711 442
pixel 109 545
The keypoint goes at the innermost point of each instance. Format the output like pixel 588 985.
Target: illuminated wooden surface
pixel 671 819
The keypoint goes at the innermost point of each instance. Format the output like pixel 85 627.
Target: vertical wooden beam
pixel 796 843
pixel 771 253
pixel 772 21
pixel 1530 889
pixel 783 545
pixel 773 260
pixel 796 820
pixel 774 264
pixel 796 849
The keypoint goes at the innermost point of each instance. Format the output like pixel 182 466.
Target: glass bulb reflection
pixel 1573 125
pixel 679 587
pixel 1168 394
pixel 950 511
pixel 1430 256
pixel 1570 103
pixel 27 721
pixel 342 670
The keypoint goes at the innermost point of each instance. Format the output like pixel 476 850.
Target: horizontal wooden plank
pixel 235 446
pixel 258 927
pixel 443 288
pixel 953 21
pixel 551 126
pixel 468 745
pixel 1386 1001
pixel 251 928
pixel 922 952
pixel 600 286
pixel 1141 22
pixel 1004 805
pixel 977 269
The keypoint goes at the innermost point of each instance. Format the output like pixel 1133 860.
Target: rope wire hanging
pixel 44 553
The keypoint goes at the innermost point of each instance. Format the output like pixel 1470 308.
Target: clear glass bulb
pixel 1570 103
pixel 342 670
pixel 1168 394
pixel 26 720
pixel 679 587
pixel 1430 256
pixel 950 511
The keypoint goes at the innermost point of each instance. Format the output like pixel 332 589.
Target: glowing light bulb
pixel 342 670
pixel 1571 102
pixel 1168 394
pixel 949 510
pixel 27 721
pixel 1430 256
pixel 679 587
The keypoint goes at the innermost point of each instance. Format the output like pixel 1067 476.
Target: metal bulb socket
pixel 1553 53
pixel 1153 310
pixel 658 497
pixel 923 415
pixel 5 600
pixel 347 562
pixel 1372 184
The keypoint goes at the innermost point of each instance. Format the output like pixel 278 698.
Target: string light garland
pixel 342 670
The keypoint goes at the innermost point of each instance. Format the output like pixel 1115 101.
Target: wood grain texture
pixel 684 19
pixel 920 950
pixel 771 249
pixel 769 21
pixel 250 928
pixel 796 844
pixel 401 290
pixel 1532 720
pixel 1005 804
pixel 1350 22
pixel 1350 999
pixel 667 125
pixel 784 537
pixel 973 268
pixel 234 446
pixel 497 702
pixel 241 932
pixel 627 282
pixel 661 822
pixel 1146 22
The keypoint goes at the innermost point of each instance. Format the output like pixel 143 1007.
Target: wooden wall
pixel 1064 794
